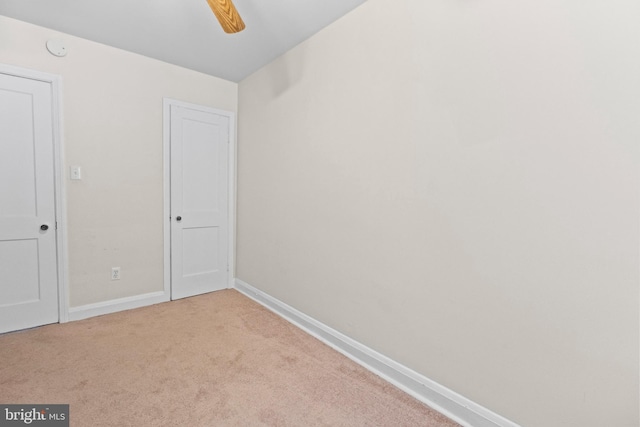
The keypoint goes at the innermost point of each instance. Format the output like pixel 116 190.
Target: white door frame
pixel 166 154
pixel 55 81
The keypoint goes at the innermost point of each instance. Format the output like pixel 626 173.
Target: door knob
pixel 44 227
pixel 178 218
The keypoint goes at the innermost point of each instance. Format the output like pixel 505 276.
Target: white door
pixel 199 200
pixel 28 264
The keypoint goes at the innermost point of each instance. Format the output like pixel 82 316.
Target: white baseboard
pixel 437 396
pixel 115 305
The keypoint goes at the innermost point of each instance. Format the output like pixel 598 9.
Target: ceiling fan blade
pixel 227 15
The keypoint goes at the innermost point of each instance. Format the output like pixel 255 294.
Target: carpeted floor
pixel 218 359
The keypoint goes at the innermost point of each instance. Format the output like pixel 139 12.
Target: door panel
pixel 199 201
pixel 28 270
pixel 205 259
pixel 20 265
pixel 18 165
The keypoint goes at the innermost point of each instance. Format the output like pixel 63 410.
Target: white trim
pixel 232 200
pixel 166 155
pixel 61 203
pixel 437 396
pixel 116 305
pixel 60 191
pixel 166 188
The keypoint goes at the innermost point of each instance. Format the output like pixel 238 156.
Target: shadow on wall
pixel 285 73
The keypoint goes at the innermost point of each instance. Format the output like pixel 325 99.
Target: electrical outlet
pixel 115 273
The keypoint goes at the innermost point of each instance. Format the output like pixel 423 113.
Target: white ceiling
pixel 185 32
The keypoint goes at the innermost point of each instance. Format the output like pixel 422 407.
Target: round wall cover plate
pixel 56 47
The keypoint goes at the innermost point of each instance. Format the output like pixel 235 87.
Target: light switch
pixel 76 173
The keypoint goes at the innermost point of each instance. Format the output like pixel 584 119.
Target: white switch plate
pixel 76 172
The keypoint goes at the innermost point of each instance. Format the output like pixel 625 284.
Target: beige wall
pixel 455 184
pixel 112 108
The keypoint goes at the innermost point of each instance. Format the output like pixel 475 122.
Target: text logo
pixel 34 415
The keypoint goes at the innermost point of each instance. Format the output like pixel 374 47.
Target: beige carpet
pixel 214 360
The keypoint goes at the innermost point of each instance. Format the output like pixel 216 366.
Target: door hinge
pixel 56 225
